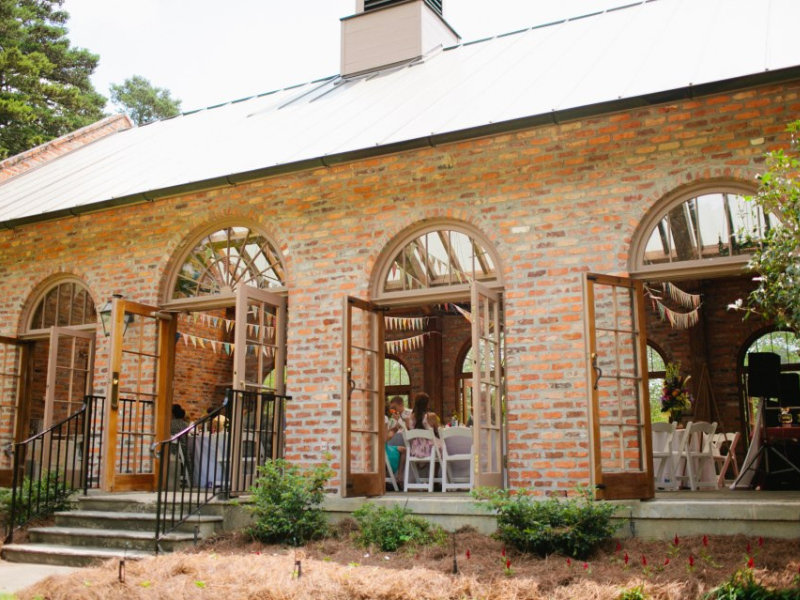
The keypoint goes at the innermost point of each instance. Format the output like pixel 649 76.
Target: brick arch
pixel 178 247
pixel 38 290
pixel 388 243
pixel 668 195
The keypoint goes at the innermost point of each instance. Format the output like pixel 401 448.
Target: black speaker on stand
pixel 763 381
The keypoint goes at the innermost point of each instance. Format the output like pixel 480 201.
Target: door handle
pixel 115 390
pixel 597 370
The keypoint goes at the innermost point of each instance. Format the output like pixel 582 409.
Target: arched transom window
pixel 227 258
pixel 437 258
pixel 66 304
pixel 707 226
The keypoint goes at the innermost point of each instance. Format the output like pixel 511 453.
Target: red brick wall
pixel 555 201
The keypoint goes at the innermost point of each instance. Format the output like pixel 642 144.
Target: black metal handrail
pixel 51 465
pixel 196 465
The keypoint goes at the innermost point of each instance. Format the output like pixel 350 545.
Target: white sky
pixel 211 51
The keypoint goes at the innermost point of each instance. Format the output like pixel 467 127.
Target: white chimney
pixel 387 32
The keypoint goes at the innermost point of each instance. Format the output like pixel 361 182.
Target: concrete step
pixel 112 539
pixel 134 521
pixel 44 554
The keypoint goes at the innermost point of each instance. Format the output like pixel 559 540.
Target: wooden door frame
pixel 477 292
pixel 167 328
pixel 613 486
pixel 362 484
pixel 52 363
pixel 22 400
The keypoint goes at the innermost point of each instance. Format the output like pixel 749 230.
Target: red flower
pixel 705 541
pixel 569 562
pixel 618 548
pixel 751 563
pixel 691 560
pixel 626 558
pixel 503 551
pixel 508 563
pixel 760 542
pixel 677 540
pixel 468 555
pixel 644 560
pixel 585 566
pixel 666 561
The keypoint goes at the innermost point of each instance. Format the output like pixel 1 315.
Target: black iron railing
pixel 51 465
pixel 217 456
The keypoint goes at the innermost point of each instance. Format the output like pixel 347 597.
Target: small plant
pixel 287 503
pixel 743 586
pixel 36 498
pixel 389 529
pixel 634 593
pixel 572 527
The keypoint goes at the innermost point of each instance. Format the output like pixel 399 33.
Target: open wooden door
pixel 14 401
pixel 363 454
pixel 259 365
pixel 142 353
pixel 619 409
pixel 69 373
pixel 488 393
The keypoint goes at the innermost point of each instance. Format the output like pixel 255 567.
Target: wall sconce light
pixel 105 316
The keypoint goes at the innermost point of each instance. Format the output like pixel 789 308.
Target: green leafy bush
pixel 391 528
pixel 634 593
pixel 743 586
pixel 287 503
pixel 572 527
pixel 36 498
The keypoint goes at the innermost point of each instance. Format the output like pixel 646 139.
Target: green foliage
pixel 743 586
pixel 776 260
pixel 635 593
pixel 38 498
pixel 392 528
pixel 572 527
pixel 287 503
pixel 144 102
pixel 45 86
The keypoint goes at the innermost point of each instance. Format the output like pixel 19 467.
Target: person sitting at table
pixel 179 422
pixel 422 418
pixel 398 414
pixel 218 424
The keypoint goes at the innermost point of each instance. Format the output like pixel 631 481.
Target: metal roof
pixel 639 54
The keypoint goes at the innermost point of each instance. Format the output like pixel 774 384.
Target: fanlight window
pixel 226 259
pixel 708 226
pixel 785 344
pixel 395 373
pixel 68 304
pixel 439 258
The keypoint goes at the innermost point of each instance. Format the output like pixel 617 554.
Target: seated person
pixel 219 423
pixel 395 422
pixel 398 414
pixel 178 422
pixel 422 418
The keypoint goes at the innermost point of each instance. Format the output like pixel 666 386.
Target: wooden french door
pixel 621 447
pixel 488 395
pixel 14 401
pixel 363 458
pixel 140 398
pixel 259 365
pixel 70 367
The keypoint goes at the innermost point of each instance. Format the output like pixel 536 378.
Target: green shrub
pixel 743 586
pixel 391 528
pixel 287 503
pixel 635 593
pixel 36 498
pixel 572 527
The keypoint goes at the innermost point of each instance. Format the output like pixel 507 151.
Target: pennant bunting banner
pixel 678 320
pixel 228 348
pixel 685 299
pixel 406 323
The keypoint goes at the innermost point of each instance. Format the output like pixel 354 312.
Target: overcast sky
pixel 211 51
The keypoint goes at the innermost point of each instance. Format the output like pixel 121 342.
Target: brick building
pixel 467 191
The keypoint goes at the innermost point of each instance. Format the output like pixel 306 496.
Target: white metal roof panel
pixel 645 48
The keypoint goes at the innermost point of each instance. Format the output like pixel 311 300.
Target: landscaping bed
pixel 234 567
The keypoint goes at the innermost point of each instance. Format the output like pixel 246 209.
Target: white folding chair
pixel 727 460
pixel 700 455
pixel 457 458
pixel 663 452
pixel 415 465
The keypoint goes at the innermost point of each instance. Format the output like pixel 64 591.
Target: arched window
pixel 224 259
pixel 716 225
pixel 67 303
pixel 396 380
pixel 437 257
pixel 656 372
pixel 785 344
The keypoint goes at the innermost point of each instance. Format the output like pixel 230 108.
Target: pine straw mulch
pixel 234 567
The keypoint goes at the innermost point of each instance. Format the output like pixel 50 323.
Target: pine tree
pixel 45 90
pixel 144 102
